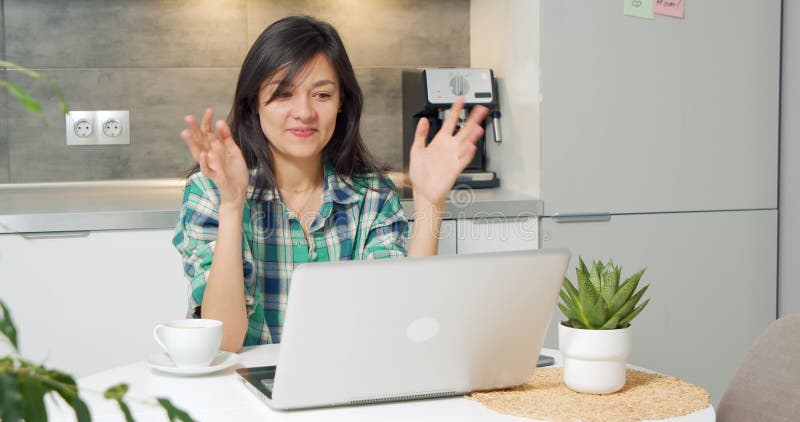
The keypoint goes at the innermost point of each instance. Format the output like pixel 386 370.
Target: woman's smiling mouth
pixel 303 132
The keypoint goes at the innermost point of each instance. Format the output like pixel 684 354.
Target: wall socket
pixel 106 127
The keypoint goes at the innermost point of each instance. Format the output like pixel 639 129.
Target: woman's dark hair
pixel 290 44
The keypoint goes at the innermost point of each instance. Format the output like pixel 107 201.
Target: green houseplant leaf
pixel 600 302
pixel 173 412
pixel 7 326
pixel 23 97
pixel 67 388
pixel 23 386
pixel 10 398
pixel 117 393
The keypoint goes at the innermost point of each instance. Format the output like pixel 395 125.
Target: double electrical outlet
pixel 109 127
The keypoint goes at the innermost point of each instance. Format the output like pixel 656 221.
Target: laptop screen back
pixel 395 329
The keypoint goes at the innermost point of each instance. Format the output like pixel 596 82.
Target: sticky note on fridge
pixel 672 8
pixel 639 8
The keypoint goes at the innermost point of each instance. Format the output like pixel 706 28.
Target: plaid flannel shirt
pixel 363 220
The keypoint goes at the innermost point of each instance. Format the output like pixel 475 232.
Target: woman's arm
pixel 221 160
pixel 224 297
pixel 427 226
pixel 433 171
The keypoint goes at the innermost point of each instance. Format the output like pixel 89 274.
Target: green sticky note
pixel 639 8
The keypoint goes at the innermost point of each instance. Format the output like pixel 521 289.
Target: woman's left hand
pixel 433 169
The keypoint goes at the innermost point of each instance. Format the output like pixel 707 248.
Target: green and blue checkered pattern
pixel 360 220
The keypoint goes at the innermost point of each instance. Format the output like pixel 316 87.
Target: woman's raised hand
pixel 433 169
pixel 219 157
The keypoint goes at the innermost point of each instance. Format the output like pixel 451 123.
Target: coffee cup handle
pixel 157 337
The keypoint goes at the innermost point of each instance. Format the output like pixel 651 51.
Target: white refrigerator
pixel 659 149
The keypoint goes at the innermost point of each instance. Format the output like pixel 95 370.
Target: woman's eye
pixel 283 94
pixel 323 95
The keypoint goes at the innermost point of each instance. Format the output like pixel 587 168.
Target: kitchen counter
pixel 31 208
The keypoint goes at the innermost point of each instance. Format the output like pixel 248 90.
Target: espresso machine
pixel 429 93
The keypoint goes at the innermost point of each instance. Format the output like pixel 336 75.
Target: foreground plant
pixel 26 100
pixel 24 386
pixel 600 302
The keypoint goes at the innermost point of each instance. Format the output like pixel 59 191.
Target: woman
pixel 287 179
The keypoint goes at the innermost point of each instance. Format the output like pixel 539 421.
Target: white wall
pixel 789 197
pixel 504 36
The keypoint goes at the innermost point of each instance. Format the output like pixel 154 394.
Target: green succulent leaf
pixel 7 326
pixel 627 321
pixel 588 295
pixel 566 301
pixel 571 290
pixel 10 398
pixel 597 313
pixel 599 301
pixel 567 312
pixel 609 282
pixel 576 305
pixel 594 275
pixel 628 307
pixel 611 324
pixel 576 324
pixel 173 412
pixel 625 291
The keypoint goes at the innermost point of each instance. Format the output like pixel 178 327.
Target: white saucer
pixel 162 362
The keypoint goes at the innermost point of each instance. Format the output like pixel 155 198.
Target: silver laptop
pixel 364 332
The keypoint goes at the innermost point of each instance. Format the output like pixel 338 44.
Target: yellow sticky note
pixel 639 8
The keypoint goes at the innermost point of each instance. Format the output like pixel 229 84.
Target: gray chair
pixel 766 386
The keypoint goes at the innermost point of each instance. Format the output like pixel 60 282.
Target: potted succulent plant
pixel 595 340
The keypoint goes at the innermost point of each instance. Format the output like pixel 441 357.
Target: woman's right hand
pixel 219 157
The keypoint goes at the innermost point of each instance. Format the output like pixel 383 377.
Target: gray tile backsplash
pixel 122 33
pixel 4 168
pixel 157 100
pixel 381 125
pixel 144 57
pixel 382 32
pixel 2 32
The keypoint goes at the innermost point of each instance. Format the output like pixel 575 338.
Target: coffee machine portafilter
pixel 429 93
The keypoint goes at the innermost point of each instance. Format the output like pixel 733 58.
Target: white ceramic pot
pixel 594 360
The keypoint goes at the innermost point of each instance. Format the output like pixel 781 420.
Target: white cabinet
pixel 712 285
pixel 89 301
pixel 84 304
pixel 478 235
pixel 497 234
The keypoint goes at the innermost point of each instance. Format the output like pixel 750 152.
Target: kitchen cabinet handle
pixel 52 235
pixel 582 218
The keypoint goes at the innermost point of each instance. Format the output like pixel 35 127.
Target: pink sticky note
pixel 669 7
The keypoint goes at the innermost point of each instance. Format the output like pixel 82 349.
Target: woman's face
pixel 300 121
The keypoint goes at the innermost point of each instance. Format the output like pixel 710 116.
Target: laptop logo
pixel 422 329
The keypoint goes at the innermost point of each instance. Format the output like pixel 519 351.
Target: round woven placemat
pixel 644 396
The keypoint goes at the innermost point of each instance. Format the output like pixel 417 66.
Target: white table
pixel 222 397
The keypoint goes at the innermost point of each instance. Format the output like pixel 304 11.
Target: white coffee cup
pixel 190 342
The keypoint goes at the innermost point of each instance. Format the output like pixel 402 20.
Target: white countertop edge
pixel 131 183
